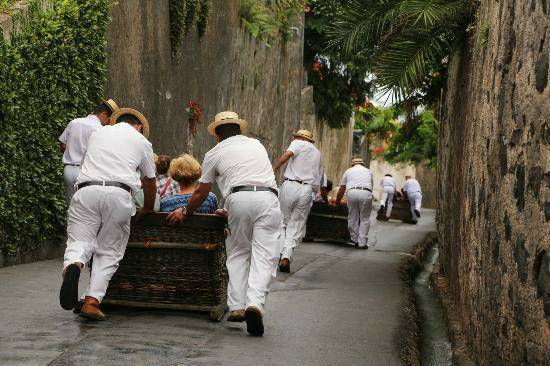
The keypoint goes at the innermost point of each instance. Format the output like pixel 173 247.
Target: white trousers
pixel 416 202
pixel 70 173
pixel 296 201
pixel 387 194
pixel 359 207
pixel 98 226
pixel 252 247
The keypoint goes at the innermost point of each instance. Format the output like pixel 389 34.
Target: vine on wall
pixel 53 70
pixel 268 19
pixel 183 15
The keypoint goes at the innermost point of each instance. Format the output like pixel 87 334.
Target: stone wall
pixel 334 144
pixel 225 70
pixel 493 184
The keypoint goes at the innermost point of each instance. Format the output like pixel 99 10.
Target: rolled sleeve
pixel 208 170
pixel 65 135
pixel 147 165
pixel 295 147
pixel 344 179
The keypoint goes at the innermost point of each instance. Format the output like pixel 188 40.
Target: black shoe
pixel 284 265
pixel 417 213
pixel 254 322
pixel 68 295
pixel 78 308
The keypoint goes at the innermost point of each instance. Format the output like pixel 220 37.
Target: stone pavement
pixel 339 306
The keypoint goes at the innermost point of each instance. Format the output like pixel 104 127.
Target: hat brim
pixel 212 126
pixel 111 105
pixel 135 113
pixel 303 136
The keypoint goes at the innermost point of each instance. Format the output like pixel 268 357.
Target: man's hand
pixel 143 212
pixel 176 216
pixel 221 212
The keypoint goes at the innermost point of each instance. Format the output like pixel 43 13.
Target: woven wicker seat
pixel 328 223
pixel 401 211
pixel 173 267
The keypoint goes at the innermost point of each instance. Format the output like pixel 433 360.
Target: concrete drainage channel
pixel 435 346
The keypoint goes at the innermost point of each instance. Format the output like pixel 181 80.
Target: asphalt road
pixel 339 306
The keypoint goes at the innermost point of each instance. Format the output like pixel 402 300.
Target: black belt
pixel 362 188
pixel 254 189
pixel 295 180
pixel 105 184
pixel 71 164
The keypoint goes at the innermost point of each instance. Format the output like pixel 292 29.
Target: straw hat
pixel 111 105
pixel 224 118
pixel 356 161
pixel 122 111
pixel 304 134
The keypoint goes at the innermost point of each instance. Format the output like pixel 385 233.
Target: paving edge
pixel 454 328
pixel 407 336
pixel 44 252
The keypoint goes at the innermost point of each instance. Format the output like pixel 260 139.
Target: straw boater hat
pixel 356 161
pixel 224 118
pixel 304 134
pixel 111 105
pixel 122 111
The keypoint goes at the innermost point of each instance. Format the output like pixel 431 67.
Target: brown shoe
pixel 236 316
pixel 90 309
pixel 254 322
pixel 284 265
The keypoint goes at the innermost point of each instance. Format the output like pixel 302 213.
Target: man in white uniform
pixel 357 184
pixel 303 177
pixel 388 185
pixel 414 193
pixel 74 140
pixel 118 162
pixel 242 169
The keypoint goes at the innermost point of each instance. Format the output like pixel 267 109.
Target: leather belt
pixel 71 164
pixel 296 180
pixel 254 189
pixel 104 184
pixel 362 188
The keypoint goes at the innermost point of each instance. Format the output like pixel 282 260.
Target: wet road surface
pixel 338 306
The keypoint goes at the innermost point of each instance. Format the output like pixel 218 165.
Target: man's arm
pixel 340 194
pixel 62 147
pixel 198 197
pixel 149 193
pixel 282 160
pixel 324 194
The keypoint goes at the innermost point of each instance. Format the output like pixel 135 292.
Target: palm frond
pixel 403 64
pixel 429 13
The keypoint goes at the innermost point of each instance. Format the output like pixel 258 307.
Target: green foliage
pixel 339 82
pixel 50 72
pixel 4 4
pixel 406 40
pixel 267 19
pixel 183 14
pixel 377 122
pixel 415 141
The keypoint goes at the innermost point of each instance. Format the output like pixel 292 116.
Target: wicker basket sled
pixel 401 210
pixel 178 267
pixel 328 223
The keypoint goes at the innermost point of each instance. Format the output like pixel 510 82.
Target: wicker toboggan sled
pixel 178 267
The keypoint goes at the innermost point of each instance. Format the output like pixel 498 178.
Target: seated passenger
pixel 166 186
pixel 186 170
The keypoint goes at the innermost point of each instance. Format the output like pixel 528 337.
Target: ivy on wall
pixel 52 71
pixel 183 15
pixel 268 19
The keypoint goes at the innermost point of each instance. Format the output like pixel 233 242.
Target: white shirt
pixel 118 153
pixel 411 186
pixel 306 165
pixel 76 136
pixel 238 161
pixel 388 182
pixel 357 176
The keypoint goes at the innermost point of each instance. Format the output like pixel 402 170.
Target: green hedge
pixel 52 71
